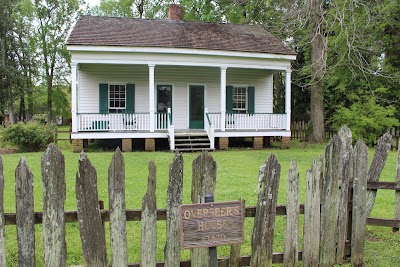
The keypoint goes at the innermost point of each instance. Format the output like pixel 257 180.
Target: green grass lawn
pixel 237 176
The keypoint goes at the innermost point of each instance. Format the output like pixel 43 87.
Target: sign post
pixel 212 251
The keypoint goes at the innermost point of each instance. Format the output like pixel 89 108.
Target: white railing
pixel 161 121
pixel 171 130
pixel 258 121
pixel 209 127
pixel 113 122
pixel 215 119
pixel 255 121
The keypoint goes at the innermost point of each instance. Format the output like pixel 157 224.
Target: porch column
pixel 288 97
pixel 223 97
pixel 151 96
pixel 73 98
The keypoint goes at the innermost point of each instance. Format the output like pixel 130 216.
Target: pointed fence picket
pixel 330 235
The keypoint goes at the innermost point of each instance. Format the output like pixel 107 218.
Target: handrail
pixel 171 130
pixel 209 127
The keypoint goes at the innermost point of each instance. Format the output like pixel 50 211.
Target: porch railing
pixel 161 120
pixel 238 121
pixel 113 122
pixel 209 127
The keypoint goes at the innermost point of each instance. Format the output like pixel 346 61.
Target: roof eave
pixel 188 51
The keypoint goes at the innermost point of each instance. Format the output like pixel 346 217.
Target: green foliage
pixel 236 179
pixel 367 119
pixel 31 136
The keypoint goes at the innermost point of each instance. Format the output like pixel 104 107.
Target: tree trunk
pixel 22 111
pixel 318 68
pixel 49 99
pixel 11 113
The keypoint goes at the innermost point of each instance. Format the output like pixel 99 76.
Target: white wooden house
pixel 149 79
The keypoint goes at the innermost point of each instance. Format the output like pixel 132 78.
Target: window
pixel 117 99
pixel 239 100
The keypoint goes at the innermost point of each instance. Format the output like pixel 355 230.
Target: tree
pixel 55 18
pixel 317 70
pixel 11 78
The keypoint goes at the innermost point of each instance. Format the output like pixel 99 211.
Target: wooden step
pixel 189 134
pixel 191 140
pixel 193 144
pixel 193 149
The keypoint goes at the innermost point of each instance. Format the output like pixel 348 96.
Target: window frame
pixel 240 101
pixel 117 110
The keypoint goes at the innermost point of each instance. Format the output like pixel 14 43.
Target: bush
pixel 31 136
pixel 366 119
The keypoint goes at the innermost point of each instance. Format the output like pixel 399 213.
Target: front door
pixel 196 107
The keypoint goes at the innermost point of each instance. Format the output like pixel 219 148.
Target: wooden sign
pixel 211 224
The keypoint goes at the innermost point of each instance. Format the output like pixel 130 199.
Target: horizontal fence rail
pixel 299 130
pixel 250 212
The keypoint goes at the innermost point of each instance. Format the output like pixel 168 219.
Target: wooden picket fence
pixel 299 131
pixel 339 197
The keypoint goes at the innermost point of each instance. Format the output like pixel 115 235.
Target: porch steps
pixel 191 141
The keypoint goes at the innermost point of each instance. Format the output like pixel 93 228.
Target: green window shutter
pixel 229 99
pixel 250 99
pixel 130 98
pixel 103 98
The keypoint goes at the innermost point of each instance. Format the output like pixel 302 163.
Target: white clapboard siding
pixel 91 75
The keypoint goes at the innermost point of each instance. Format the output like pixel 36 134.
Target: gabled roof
pixel 128 32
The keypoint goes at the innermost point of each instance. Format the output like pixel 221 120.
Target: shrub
pixel 31 136
pixel 366 119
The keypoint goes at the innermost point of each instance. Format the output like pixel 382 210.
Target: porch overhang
pixel 180 57
pixel 175 51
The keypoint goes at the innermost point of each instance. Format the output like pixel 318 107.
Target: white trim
pixel 288 98
pixel 283 133
pixel 161 50
pixel 223 71
pixel 121 135
pixel 117 135
pixel 74 97
pixel 151 96
pixel 265 66
pixel 188 99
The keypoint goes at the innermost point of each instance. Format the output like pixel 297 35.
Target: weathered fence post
pixel 2 220
pixel 312 216
pixel 116 203
pixel 264 222
pixel 54 193
pixel 397 206
pixel 148 244
pixel 234 255
pixel 172 251
pixel 359 208
pixel 89 217
pixel 377 164
pixel 343 168
pixel 25 215
pixel 329 203
pixel 204 174
pixel 290 256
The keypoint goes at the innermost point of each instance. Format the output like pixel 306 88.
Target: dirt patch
pixel 8 150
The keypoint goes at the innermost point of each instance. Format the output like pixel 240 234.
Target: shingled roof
pixel 128 32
